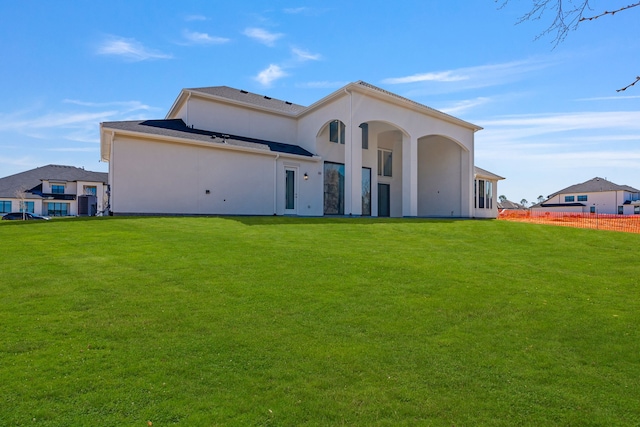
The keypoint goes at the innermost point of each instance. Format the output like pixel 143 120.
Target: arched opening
pixel 443 177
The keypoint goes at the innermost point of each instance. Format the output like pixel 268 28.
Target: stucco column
pixel 409 176
pixel 356 168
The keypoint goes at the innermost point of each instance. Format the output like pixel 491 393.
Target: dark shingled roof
pixel 595 185
pixel 250 98
pixel 178 129
pixel 32 179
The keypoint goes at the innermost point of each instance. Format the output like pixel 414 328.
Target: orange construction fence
pixel 624 223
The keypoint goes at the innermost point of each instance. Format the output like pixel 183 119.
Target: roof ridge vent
pixel 267 97
pixel 287 102
pixel 243 91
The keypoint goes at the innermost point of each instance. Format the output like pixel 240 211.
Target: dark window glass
pixel 569 198
pixel 336 131
pixel 5 206
pixel 333 188
pixel 57 189
pixel 366 192
pixel 481 194
pixel 365 135
pixel 582 198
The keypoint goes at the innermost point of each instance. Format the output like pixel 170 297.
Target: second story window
pixel 569 199
pixel 336 131
pixel 365 135
pixel 385 161
pixel 582 198
pixel 57 188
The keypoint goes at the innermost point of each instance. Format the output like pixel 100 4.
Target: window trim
pixel 381 162
pixel 569 199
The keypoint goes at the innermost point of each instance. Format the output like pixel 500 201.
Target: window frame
pixel 337 131
pixel 583 198
pixel 569 199
pixel 55 188
pixel 382 164
pixel 4 204
pixel 365 135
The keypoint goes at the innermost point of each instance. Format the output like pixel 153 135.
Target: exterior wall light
pixel 306 177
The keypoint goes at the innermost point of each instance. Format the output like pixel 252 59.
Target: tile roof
pixel 595 185
pixel 178 129
pixel 33 178
pixel 250 98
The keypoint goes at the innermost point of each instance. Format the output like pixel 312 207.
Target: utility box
pixel 87 205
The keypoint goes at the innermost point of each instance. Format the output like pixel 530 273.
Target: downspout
pixel 110 177
pixel 275 184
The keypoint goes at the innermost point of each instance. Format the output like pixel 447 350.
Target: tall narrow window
pixel 385 161
pixel 290 189
pixel 620 210
pixel 336 131
pixel 333 188
pixel 489 189
pixel 365 135
pixel 366 191
pixel 481 194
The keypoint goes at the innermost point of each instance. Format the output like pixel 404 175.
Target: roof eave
pixel 185 94
pixel 166 138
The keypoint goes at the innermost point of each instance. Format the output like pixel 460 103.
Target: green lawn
pixel 290 322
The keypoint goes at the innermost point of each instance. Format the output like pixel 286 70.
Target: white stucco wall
pixel 226 118
pixel 155 177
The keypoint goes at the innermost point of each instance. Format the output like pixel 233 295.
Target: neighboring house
pixel 54 190
pixel 359 151
pixel 594 196
pixel 508 205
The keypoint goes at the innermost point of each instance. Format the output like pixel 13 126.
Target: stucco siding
pixel 152 177
pixel 234 120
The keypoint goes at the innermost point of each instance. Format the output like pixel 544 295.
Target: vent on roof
pixel 287 102
pixel 243 91
pixel 267 97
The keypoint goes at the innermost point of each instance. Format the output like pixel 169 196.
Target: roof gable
pixel 31 179
pixel 595 185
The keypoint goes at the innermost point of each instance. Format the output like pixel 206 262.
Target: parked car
pixel 27 215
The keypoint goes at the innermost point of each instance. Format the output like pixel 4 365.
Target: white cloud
pixel 194 37
pixel 262 36
pixel 190 18
pixel 79 124
pixel 468 77
pixel 295 10
pixel 609 98
pixel 303 55
pixel 129 49
pixel 465 105
pixel 270 74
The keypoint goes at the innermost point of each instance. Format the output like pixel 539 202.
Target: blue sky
pixel 551 117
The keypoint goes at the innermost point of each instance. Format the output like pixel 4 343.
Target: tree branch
pixel 612 12
pixel 629 85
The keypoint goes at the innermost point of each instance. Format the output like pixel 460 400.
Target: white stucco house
pixel 594 196
pixel 54 190
pixel 360 151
